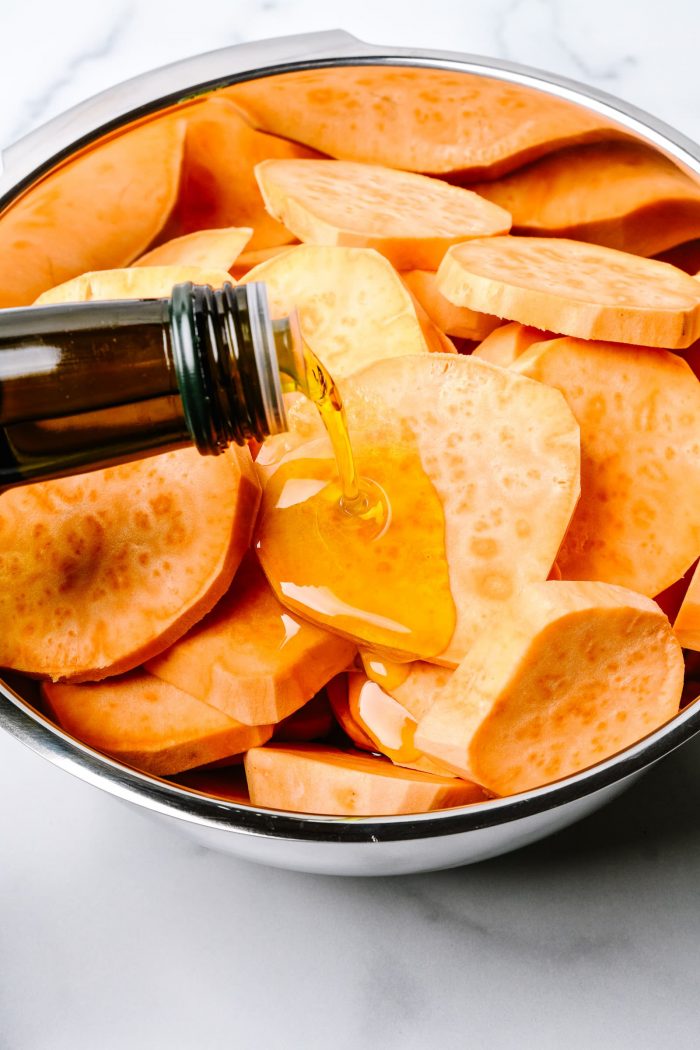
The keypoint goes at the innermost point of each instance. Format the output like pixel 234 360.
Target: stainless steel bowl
pixel 371 846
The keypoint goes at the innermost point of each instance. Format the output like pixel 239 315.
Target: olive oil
pixel 360 498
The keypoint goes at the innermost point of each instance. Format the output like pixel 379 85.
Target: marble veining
pixel 115 932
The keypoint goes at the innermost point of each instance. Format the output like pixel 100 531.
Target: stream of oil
pixel 356 543
pixel 303 372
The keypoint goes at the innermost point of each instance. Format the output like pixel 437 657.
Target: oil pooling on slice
pixel 356 544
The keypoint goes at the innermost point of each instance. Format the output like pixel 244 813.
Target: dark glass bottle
pixel 87 385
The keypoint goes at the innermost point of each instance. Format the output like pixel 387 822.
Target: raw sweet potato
pixel 337 690
pixel 425 120
pixel 416 688
pixel 621 194
pixel 411 219
pixel 454 320
pixel 501 456
pixel 573 288
pixel 353 308
pixel 250 657
pixel 149 724
pixel 102 209
pixel 567 675
pixel 210 249
pixel 637 523
pixel 389 726
pixel 101 571
pixel 146 282
pixel 314 779
pixel 687 623
pixel 509 341
pixel 218 187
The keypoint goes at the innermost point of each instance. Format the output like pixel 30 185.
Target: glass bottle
pixel 87 385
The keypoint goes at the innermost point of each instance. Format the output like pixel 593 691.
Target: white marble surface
pixel 117 934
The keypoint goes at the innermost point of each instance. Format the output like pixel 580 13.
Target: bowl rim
pixel 40 152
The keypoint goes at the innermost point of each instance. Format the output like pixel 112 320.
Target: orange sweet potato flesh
pixel 388 724
pixel 568 675
pixel 458 321
pixel 637 523
pixel 210 249
pixel 218 187
pixel 507 488
pixel 687 623
pixel 149 724
pixel 99 572
pixel 424 120
pixel 411 219
pixel 418 686
pixel 508 342
pixel 250 657
pixel 315 779
pixel 337 690
pixel 101 210
pixel 620 194
pixel 578 289
pixel 146 282
pixel 352 305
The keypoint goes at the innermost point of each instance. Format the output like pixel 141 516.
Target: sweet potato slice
pixel 102 209
pixel 146 282
pixel 416 688
pixel 687 623
pixel 508 342
pixel 411 219
pixel 425 120
pixel 210 249
pixel 620 194
pixel 459 321
pixel 218 186
pixel 337 690
pixel 386 723
pixel 149 724
pixel 250 657
pixel 353 308
pixel 502 457
pixel 567 675
pixel 573 288
pixel 315 779
pixel 101 571
pixel 638 520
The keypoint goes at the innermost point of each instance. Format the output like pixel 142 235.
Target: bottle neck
pixel 224 351
pixel 87 385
